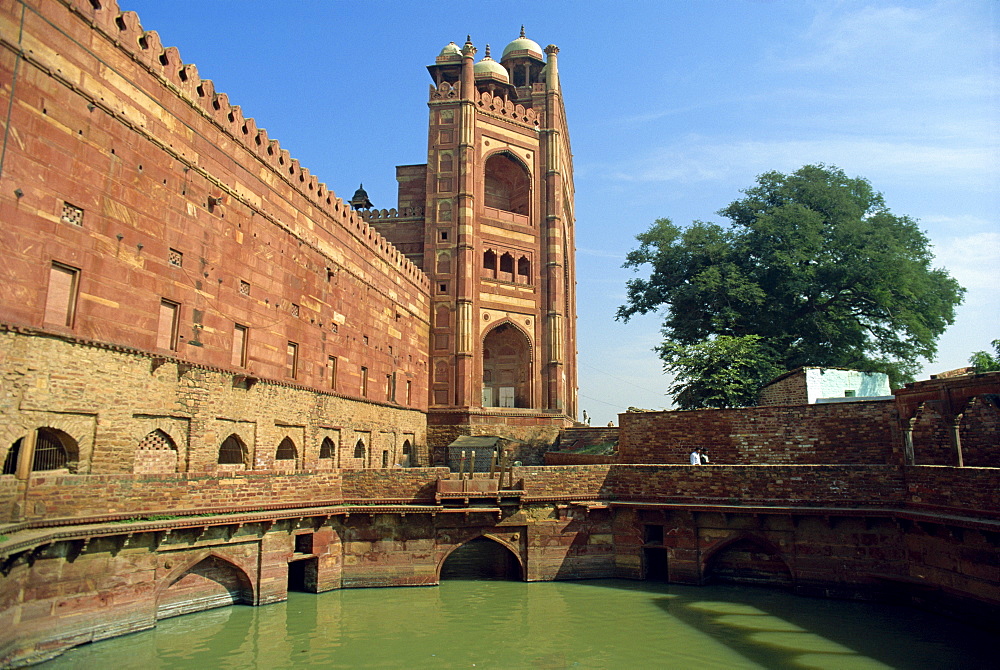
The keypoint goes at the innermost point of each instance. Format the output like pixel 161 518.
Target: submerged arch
pixel 482 558
pixel 748 559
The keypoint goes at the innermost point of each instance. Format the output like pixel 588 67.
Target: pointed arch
pixel 326 448
pixel 507 183
pixel 207 581
pixel 233 451
pixel 286 451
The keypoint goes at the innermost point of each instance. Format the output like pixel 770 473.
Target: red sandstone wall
pixel 584 481
pixel 110 122
pixel 860 432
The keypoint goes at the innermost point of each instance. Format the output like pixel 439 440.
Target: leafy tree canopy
pixel 813 264
pixel 983 361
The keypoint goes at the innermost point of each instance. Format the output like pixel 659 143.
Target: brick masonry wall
pixel 64 496
pixel 586 481
pixel 790 390
pixel 844 485
pixel 416 485
pixel 561 458
pixel 967 489
pixel 862 432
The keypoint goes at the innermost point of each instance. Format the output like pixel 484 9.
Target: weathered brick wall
pixel 154 187
pixel 406 484
pixel 979 433
pixel 107 402
pixel 586 481
pixel 968 489
pixel 57 496
pixel 788 390
pixel 862 432
pixel 862 485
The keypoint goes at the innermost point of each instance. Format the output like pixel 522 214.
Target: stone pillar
pixel 956 441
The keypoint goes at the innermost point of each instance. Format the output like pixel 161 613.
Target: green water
pixel 591 624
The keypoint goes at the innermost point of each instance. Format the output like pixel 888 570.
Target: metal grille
pixel 295 309
pixel 72 214
pixel 286 450
pixel 244 287
pixel 49 452
pixel 326 449
pixel 175 258
pixel 231 451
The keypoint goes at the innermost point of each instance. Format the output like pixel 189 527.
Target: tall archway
pixel 507 370
pixel 748 560
pixel 482 559
pixel 209 583
pixel 54 450
pixel 507 184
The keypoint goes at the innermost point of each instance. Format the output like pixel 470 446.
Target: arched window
pixel 326 449
pixel 54 450
pixel 359 449
pixel 444 263
pixel 232 451
pixel 446 163
pixel 409 459
pixel 286 450
pixel 523 270
pixel 490 263
pixel 507 184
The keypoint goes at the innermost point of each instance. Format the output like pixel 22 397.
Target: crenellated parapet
pixel 504 108
pixel 385 215
pixel 165 63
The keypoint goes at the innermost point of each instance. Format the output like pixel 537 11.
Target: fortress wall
pixel 124 165
pixel 860 432
pixel 838 485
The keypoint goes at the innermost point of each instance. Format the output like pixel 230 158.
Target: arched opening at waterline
pixel 481 558
pixel 748 560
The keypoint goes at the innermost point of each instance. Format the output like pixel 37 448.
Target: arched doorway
pixel 506 368
pixel 748 560
pixel 482 559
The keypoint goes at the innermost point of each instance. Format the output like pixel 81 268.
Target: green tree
pixel 983 361
pixel 813 263
pixel 723 371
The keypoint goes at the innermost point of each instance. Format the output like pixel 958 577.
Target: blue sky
pixel 673 106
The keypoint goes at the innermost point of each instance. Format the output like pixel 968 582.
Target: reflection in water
pixel 592 624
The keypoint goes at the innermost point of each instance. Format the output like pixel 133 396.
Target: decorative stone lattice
pixel 72 214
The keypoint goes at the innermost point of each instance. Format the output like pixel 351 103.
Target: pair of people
pixel 699 457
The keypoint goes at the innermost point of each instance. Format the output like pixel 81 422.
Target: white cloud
pixel 974 260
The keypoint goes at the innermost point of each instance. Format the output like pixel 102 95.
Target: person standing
pixel 704 456
pixel 696 457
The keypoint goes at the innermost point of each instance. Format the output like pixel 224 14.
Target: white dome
pixel 522 46
pixel 488 68
pixel 449 53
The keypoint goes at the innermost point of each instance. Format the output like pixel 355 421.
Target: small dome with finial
pixel 488 68
pixel 522 46
pixel 451 52
pixel 360 199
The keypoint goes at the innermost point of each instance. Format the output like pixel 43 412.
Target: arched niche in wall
pixel 507 184
pixel 506 367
